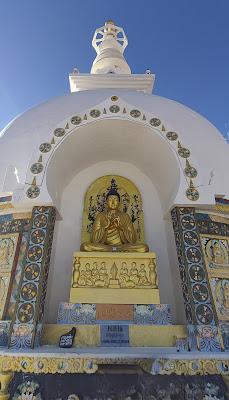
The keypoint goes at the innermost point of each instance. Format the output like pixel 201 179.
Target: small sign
pixel 114 335
pixel 66 340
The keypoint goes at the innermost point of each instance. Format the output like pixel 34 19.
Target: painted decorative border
pixel 206 225
pixel 115 108
pixel 32 288
pixel 196 292
pixel 63 365
pixel 10 225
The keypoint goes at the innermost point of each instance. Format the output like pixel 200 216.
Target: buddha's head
pixel 113 201
pixel 216 246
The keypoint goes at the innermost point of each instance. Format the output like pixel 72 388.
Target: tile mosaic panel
pixel 208 338
pixel 20 262
pixel 216 253
pixel 9 248
pixel 220 290
pixel 70 313
pixel 33 282
pixel 156 314
pixel 140 314
pixel 4 333
pixel 195 286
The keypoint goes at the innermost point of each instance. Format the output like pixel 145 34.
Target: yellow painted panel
pixel 140 335
pixel 155 336
pixel 115 296
pixel 86 335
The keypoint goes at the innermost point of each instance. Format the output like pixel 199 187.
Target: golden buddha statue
pixel 113 229
pixel 218 256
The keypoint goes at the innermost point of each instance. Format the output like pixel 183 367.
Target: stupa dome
pixel 22 138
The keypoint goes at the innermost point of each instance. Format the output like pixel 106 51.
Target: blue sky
pixel 184 42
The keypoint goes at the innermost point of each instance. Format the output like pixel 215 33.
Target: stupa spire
pixel 109 42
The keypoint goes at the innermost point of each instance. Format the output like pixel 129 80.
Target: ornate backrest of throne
pixel 130 202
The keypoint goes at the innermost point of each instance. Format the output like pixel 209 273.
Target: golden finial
pixel 40 159
pixel 34 183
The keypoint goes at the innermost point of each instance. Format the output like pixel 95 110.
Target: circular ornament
pixel 76 120
pixel 193 255
pixel 114 98
pixel 32 272
pixel 135 113
pixel 90 367
pixel 114 109
pixel 35 253
pixel 172 135
pixel 28 291
pixel 192 194
pixel 155 122
pixel 190 172
pixel 36 168
pixel 183 152
pixel 37 236
pixel 59 132
pixel 25 312
pixel 62 366
pixel 45 147
pixel 40 221
pixel 190 238
pixel 196 273
pixel 200 292
pixel 204 314
pixel 188 222
pixel 95 113
pixel 33 192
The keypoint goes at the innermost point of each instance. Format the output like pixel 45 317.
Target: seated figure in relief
pixel 113 229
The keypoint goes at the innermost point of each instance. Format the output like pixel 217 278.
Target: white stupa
pixel 111 123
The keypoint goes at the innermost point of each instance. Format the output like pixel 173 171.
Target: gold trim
pixel 62 365
pixel 52 365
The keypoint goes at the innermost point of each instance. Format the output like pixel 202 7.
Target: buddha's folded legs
pixel 88 246
pixel 138 247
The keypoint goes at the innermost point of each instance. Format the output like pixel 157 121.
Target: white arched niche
pixel 106 148
pixel 119 140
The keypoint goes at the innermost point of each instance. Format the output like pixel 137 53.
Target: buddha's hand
pixel 116 222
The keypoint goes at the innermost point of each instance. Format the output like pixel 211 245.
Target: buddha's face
pixel 113 202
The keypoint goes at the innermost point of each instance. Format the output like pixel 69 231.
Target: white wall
pixel 67 237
